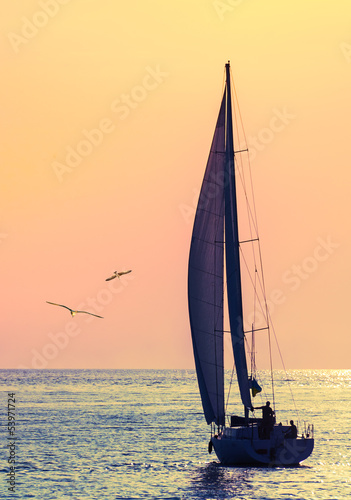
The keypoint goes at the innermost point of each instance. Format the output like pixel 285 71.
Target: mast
pixel 232 249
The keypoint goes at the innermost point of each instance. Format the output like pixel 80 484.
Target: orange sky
pixel 108 110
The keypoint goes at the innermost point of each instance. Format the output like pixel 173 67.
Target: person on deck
pixel 291 433
pixel 267 419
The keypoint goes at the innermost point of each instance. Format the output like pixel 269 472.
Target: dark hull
pixel 242 446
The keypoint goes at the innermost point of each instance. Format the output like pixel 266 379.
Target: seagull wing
pixel 125 272
pixel 60 305
pixel 91 314
pixel 111 277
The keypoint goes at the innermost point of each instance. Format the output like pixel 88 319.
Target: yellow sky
pixel 108 110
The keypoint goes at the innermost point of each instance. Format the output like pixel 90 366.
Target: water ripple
pixel 140 434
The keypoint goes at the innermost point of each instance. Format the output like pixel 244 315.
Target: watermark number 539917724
pixel 11 445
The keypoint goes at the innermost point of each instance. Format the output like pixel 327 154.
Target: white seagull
pixel 117 274
pixel 73 313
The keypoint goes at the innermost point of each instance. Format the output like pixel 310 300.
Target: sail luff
pixel 234 290
pixel 205 280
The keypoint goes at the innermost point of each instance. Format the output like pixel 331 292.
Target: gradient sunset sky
pixel 108 111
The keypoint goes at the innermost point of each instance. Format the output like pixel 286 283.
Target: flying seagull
pixel 73 313
pixel 117 274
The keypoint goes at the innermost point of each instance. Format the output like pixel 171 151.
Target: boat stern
pixel 242 446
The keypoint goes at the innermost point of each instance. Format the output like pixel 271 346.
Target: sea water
pixel 137 434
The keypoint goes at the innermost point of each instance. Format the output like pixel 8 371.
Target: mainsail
pixel 205 279
pixel 216 217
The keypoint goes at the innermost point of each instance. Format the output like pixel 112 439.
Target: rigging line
pixel 253 285
pixel 255 224
pixel 286 373
pixel 223 82
pixel 254 218
pixel 264 312
pixel 264 294
pixel 253 361
pixel 259 247
pixel 259 379
pixel 230 386
pixel 248 241
pixel 255 289
pixel 240 117
pixel 263 297
pixel 251 217
pixel 239 128
pixel 256 330
pixel 268 318
pixel 262 288
pixel 250 214
pixel 250 225
pixel 267 322
pixel 251 351
pixel 235 96
pixel 236 104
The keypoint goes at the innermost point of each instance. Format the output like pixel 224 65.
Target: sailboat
pixel 216 296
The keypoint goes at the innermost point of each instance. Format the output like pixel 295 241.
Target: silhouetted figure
pixel 267 420
pixel 291 433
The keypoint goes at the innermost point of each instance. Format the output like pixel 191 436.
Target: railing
pixel 308 430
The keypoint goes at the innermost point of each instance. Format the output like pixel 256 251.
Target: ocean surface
pixel 137 434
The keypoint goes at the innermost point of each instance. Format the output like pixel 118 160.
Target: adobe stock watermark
pixel 42 357
pixel 277 123
pixel 212 188
pixel 3 237
pixel 294 277
pixel 48 9
pixel 289 452
pixel 122 107
pixel 222 7
pixel 346 51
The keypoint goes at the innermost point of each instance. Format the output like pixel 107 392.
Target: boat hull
pixel 242 446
